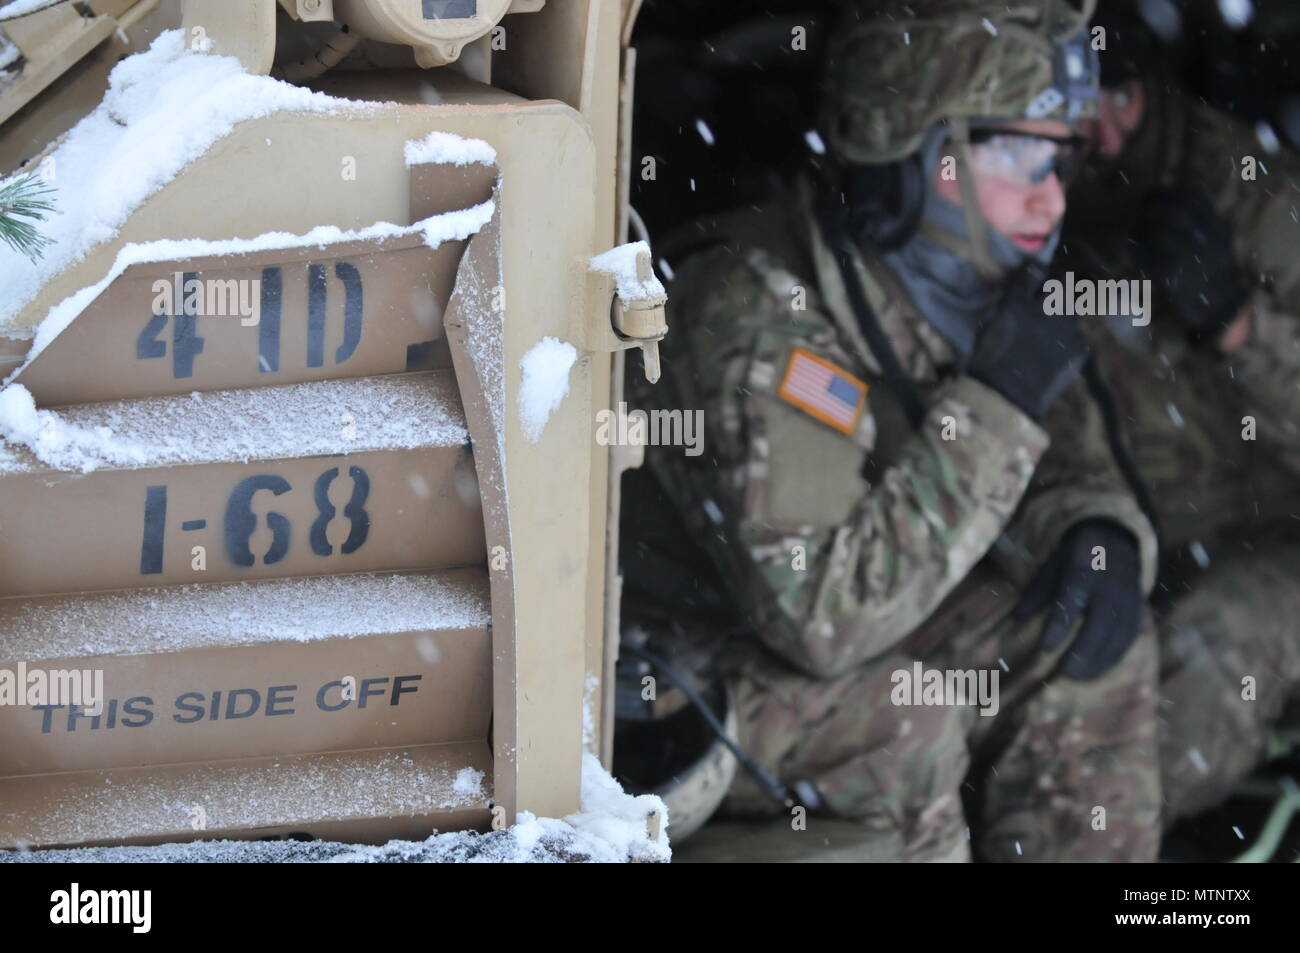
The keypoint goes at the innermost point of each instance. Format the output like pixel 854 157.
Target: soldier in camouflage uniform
pixel 1207 395
pixel 944 493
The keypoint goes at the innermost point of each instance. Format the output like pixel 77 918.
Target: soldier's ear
pixel 885 201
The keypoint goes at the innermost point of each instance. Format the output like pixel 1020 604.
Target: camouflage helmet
pixel 902 67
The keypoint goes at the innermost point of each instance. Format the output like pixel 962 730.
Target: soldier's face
pixel 1119 112
pixel 1026 212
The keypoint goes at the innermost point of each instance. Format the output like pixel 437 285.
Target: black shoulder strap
pixel 1105 401
pixel 899 383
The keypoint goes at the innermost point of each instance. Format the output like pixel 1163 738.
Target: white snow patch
pixel 443 147
pixel 18 8
pixel 621 263
pixel 57 442
pixel 164 108
pixel 479 294
pixel 182 618
pixel 469 782
pixel 545 383
pixel 589 687
pixel 610 828
pixel 264 793
pixel 262 423
pixel 617 819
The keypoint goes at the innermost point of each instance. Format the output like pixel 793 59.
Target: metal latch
pixel 638 318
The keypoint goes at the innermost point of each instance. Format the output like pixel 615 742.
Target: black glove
pixel 1185 247
pixel 1109 601
pixel 1026 355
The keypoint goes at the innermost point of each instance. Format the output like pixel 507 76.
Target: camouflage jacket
pixel 839 546
pixel 1189 416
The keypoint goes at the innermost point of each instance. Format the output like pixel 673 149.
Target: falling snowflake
pixel 1199 554
pixel 714 513
pixel 1267 137
pixel 1236 13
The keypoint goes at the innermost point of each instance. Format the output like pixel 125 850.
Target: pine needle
pixel 24 197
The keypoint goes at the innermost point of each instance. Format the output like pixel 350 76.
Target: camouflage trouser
pixel 1066 770
pixel 1035 773
pixel 899 770
pixel 1230 662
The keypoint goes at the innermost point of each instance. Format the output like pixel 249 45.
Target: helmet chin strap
pixel 977 226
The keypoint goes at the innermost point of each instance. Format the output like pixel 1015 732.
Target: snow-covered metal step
pixel 306 479
pixel 360 796
pixel 207 673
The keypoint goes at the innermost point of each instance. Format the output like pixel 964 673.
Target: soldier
pixel 1206 396
pixel 901 463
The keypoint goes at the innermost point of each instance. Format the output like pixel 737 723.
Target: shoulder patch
pixel 823 391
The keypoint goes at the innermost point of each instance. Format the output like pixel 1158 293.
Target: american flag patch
pixel 826 392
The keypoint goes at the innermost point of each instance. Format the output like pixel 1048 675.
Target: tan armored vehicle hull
pixel 334 578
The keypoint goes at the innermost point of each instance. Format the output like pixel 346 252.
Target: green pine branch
pixel 24 198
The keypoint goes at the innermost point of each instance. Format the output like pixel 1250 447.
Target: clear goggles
pixel 1024 159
